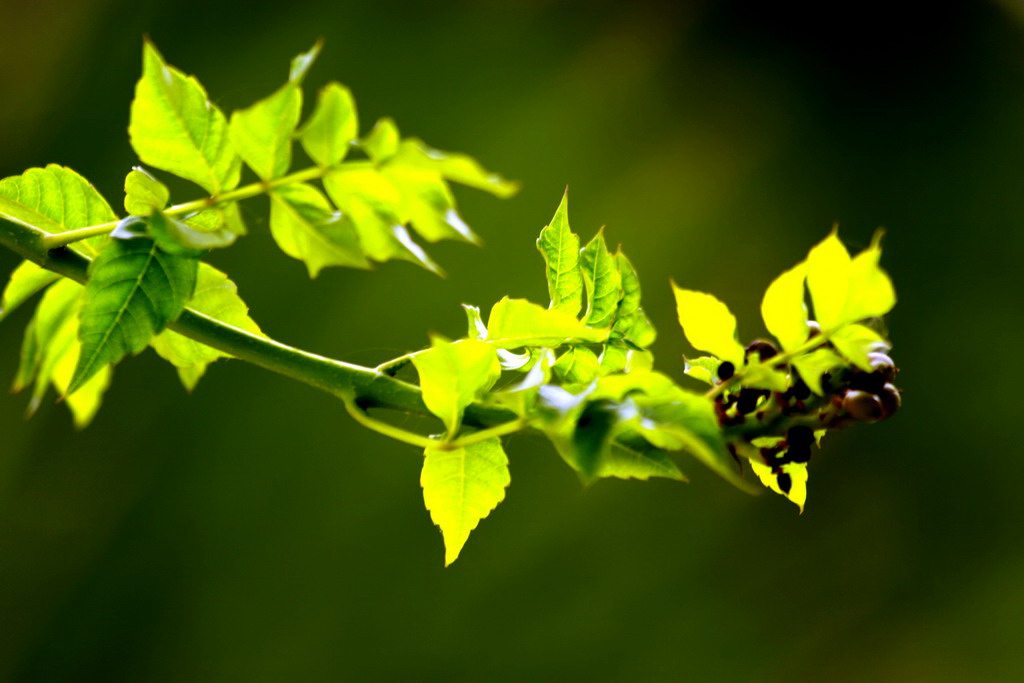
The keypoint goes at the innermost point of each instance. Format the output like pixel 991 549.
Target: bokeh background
pixel 252 532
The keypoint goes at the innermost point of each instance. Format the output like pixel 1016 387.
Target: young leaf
pixel 452 374
pixel 475 323
pixel 461 487
pixel 603 282
pixel 56 307
pixel 518 322
pixel 456 167
pixel 427 203
pixel 306 227
pixel 578 365
pixel 708 324
pixel 871 290
pixel 828 278
pixel 175 127
pixel 783 308
pixel 216 296
pixel 855 342
pixel 329 133
pixel 262 134
pixel 178 237
pixel 813 365
pixel 760 376
pixel 791 481
pixel 55 199
pixel 704 368
pixel 26 281
pixel 560 247
pixel 624 462
pixel 144 194
pixel 134 291
pixel 381 143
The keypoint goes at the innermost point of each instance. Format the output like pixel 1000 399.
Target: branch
pixel 371 389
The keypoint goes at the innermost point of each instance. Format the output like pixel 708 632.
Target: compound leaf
pixel 332 128
pixel 560 247
pixel 262 134
pixel 175 127
pixel 306 227
pixel 708 324
pixel 461 487
pixel 134 291
pixel 217 296
pixel 452 375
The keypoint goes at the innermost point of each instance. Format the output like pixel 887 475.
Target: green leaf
pixel 55 199
pixel 216 296
pixel 26 281
pixel 855 342
pixel 262 134
pixel 594 432
pixel 795 477
pixel 762 376
pixel 871 290
pixel 144 194
pixel 427 203
pixel 578 365
pixel 461 487
pixel 453 374
pixel 178 237
pixel 814 364
pixel 134 291
pixel 784 310
pixel 560 247
pixel 631 322
pixel 307 227
pixel 223 217
pixel 624 462
pixel 602 280
pixel 518 322
pixel 704 369
pixel 381 143
pixel 373 204
pixel 332 128
pixel 475 324
pixel 456 167
pixel 828 279
pixel 708 324
pixel 175 127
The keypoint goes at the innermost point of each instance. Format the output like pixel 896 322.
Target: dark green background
pixel 252 532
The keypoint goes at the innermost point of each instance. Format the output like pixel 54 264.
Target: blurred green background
pixel 252 532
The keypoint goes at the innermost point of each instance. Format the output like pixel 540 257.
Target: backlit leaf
pixel 262 134
pixel 791 481
pixel 329 133
pixel 708 324
pixel 216 296
pixel 307 227
pixel 427 203
pixel 176 128
pixel 518 322
pixel 814 364
pixel 175 236
pixel 134 291
pixel 626 463
pixel 704 369
pixel 461 487
pixel 26 281
pixel 144 194
pixel 783 308
pixel 578 365
pixel 560 247
pixel 456 167
pixel 828 279
pixel 855 342
pixel 452 375
pixel 381 143
pixel 602 280
pixel 871 290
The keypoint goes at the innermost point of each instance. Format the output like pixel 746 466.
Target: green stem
pixel 389 430
pixel 486 434
pixel 62 239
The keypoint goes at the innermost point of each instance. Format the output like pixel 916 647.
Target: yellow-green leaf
pixel 453 374
pixel 603 282
pixel 783 308
pixel 144 194
pixel 518 322
pixel 814 364
pixel 871 290
pixel 176 128
pixel 828 279
pixel 578 365
pixel 560 247
pixel 27 280
pixel 456 167
pixel 381 143
pixel 461 487
pixel 855 342
pixel 708 324
pixel 307 227
pixel 793 478
pixel 332 128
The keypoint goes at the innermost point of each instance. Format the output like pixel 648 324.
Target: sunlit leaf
pixel 175 236
pixel 307 227
pixel 455 167
pixel 217 296
pixel 176 128
pixel 381 143
pixel 475 323
pixel 871 290
pixel 461 487
pixel 518 322
pixel 783 308
pixel 332 128
pixel 855 342
pixel 578 365
pixel 704 369
pixel 814 364
pixel 708 324
pixel 623 462
pixel 560 247
pixel 134 291
pixel 144 194
pixel 262 134
pixel 427 203
pixel 762 376
pixel 26 281
pixel 791 480
pixel 828 279
pixel 602 280
pixel 452 375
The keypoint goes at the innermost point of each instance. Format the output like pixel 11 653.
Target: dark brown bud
pixel 871 382
pixel 748 400
pixel 862 405
pixel 762 348
pixel 882 364
pixel 800 436
pixel 890 399
pixel 726 370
